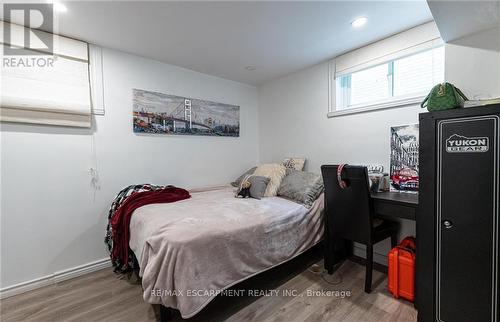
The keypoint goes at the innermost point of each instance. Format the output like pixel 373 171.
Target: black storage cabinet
pixel 458 215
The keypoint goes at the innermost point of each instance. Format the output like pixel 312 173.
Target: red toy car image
pixel 405 179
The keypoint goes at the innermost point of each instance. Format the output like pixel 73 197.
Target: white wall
pixel 293 110
pixel 473 64
pixel 51 217
pixel 293 122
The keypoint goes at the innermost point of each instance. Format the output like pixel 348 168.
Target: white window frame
pixel 96 80
pixel 393 101
pixel 408 43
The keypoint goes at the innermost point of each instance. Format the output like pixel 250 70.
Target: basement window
pixel 393 72
pixel 399 82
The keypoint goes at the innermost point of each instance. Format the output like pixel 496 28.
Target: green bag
pixel 443 96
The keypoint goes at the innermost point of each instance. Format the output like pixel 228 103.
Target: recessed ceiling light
pixel 359 22
pixel 58 6
pixel 250 68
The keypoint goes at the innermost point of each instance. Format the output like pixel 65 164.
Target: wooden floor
pixel 104 296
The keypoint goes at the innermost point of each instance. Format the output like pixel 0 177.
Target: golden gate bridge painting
pixel 169 114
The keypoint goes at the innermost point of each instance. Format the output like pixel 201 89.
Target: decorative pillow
pixel 275 172
pixel 243 190
pixel 288 171
pixel 302 187
pixel 258 186
pixel 294 163
pixel 237 182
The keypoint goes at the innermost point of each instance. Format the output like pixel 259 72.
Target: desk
pixel 393 204
pixel 387 205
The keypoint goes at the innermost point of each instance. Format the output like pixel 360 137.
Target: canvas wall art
pixel 170 114
pixel 404 158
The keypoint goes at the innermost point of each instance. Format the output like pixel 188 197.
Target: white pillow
pixel 294 163
pixel 275 172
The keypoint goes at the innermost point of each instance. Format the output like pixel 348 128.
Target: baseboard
pixel 377 257
pixel 54 278
pixel 362 261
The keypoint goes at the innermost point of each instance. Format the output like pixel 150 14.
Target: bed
pixel 189 251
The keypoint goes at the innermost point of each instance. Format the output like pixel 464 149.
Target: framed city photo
pixel 404 158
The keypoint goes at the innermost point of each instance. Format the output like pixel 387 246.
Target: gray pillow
pixel 258 186
pixel 301 186
pixel 237 182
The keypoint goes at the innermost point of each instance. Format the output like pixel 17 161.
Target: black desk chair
pixel 349 215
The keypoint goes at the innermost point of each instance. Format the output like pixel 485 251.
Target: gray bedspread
pixel 190 249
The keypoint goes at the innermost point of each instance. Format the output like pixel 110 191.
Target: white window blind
pixel 369 85
pixel 418 73
pixel 406 43
pixel 53 89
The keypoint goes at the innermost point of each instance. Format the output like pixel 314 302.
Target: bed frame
pixel 297 265
pixel 166 313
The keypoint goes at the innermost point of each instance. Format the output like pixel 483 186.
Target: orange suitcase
pixel 401 275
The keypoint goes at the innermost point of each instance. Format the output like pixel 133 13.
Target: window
pixel 417 74
pixel 45 87
pixel 395 71
pixel 395 82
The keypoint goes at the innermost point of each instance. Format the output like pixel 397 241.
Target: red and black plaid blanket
pixel 126 202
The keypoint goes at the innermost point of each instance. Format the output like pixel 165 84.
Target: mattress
pixel 190 250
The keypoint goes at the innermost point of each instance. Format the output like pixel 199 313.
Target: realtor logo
pixel 33 16
pixel 462 144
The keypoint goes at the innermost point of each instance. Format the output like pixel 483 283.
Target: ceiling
pixel 222 38
pixel 456 19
